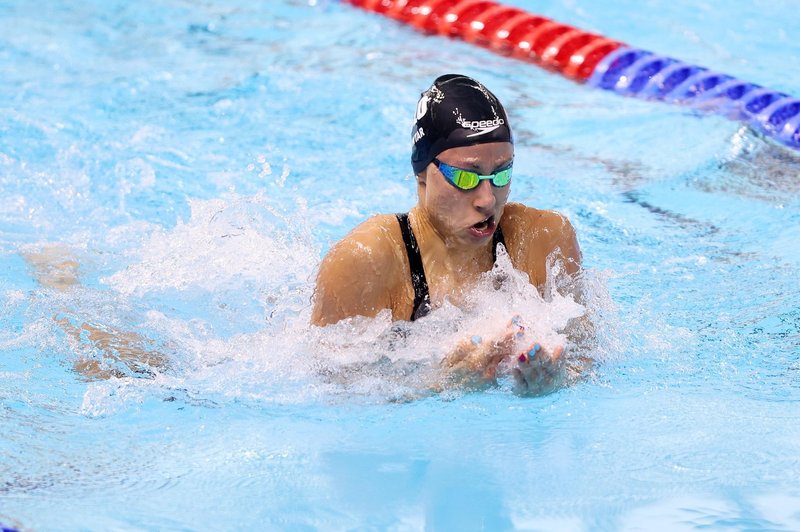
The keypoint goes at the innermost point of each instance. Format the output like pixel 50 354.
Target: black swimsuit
pixel 422 297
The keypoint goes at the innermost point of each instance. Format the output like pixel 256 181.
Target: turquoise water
pixel 197 159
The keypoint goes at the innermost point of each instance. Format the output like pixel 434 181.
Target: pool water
pixel 196 159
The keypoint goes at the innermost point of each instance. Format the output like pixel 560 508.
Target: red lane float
pixel 503 29
pixel 598 61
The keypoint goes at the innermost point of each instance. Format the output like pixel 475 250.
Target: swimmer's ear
pixel 422 177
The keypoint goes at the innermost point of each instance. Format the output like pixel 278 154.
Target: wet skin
pixel 367 271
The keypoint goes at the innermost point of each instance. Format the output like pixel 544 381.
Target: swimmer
pixel 462 157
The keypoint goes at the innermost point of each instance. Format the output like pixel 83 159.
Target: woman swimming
pixel 462 157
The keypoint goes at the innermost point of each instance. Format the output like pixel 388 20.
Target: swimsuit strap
pixel 497 238
pixel 422 298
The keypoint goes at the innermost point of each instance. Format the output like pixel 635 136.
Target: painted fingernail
pixel 537 348
pixel 522 357
pixel 476 340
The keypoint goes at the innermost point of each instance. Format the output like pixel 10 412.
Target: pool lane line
pixel 599 61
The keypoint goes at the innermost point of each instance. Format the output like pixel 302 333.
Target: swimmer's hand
pixel 539 371
pixel 473 363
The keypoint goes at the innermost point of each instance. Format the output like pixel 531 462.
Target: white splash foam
pixel 235 239
pixel 231 245
pixel 360 356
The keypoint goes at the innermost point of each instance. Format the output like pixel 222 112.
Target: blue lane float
pixel 599 61
pixel 644 74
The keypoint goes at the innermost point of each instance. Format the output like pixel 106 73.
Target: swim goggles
pixel 467 180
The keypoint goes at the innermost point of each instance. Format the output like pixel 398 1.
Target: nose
pixel 483 198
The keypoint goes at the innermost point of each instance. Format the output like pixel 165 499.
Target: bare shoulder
pixel 360 273
pixel 373 242
pixel 533 235
pixel 537 223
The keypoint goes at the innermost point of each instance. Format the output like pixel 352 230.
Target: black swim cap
pixel 456 111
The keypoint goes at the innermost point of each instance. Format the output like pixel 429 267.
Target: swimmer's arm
pixel 566 247
pixel 539 236
pixel 357 277
pixel 559 241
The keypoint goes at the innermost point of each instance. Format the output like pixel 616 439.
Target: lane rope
pixel 599 61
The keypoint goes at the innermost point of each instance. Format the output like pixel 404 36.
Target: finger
pixel 534 351
pixel 557 352
pixel 526 357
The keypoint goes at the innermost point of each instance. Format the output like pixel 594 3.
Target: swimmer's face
pixel 467 217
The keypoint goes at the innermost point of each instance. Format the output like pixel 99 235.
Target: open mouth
pixel 484 225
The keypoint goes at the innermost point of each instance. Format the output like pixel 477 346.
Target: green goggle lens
pixel 467 180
